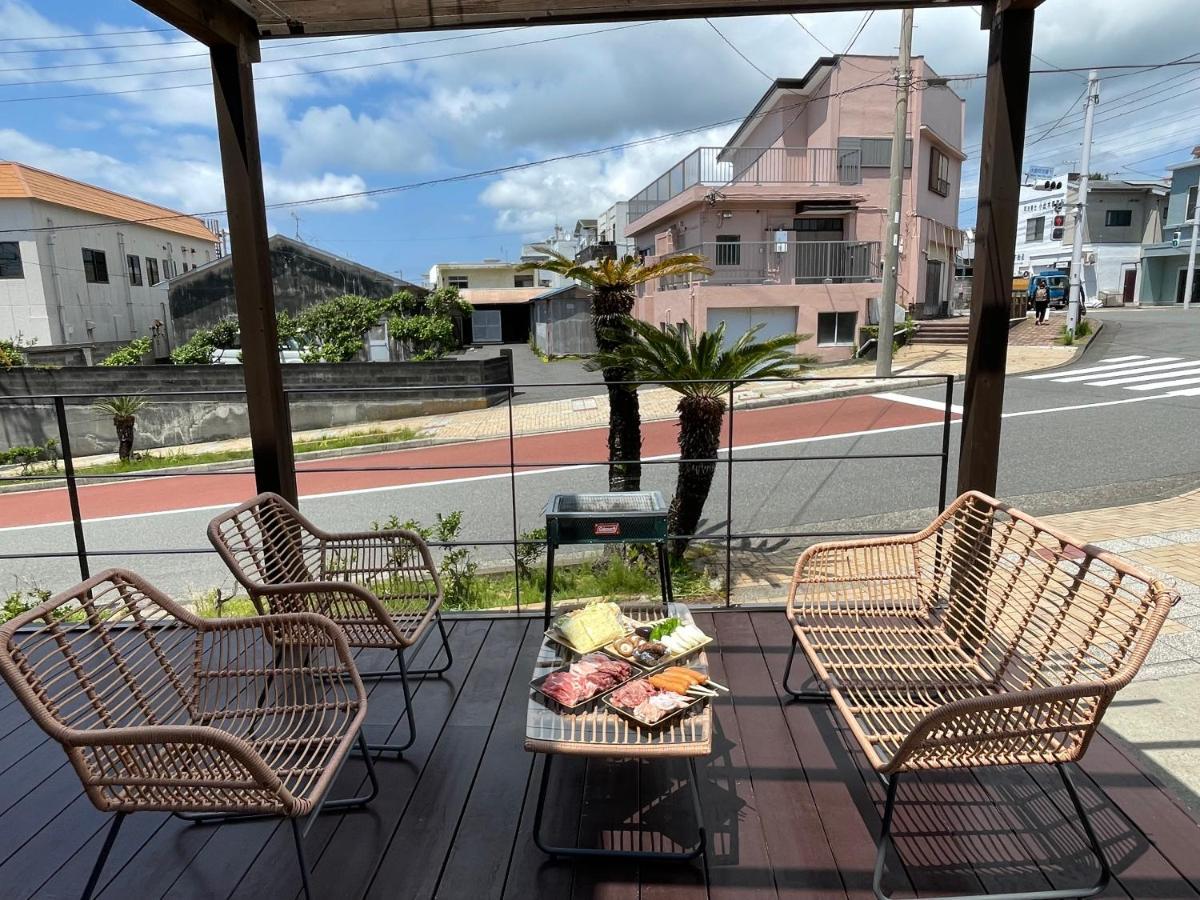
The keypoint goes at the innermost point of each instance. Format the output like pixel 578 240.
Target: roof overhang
pixel 229 21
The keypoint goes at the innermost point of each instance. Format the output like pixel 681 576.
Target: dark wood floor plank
pixel 350 837
pixel 530 872
pixel 412 864
pixel 483 843
pixel 608 819
pixel 797 845
pixel 848 810
pixel 738 864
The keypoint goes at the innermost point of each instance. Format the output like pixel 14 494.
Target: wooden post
pixel 1009 53
pixel 241 163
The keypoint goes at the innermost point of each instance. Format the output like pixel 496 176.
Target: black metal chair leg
pixel 420 673
pixel 408 713
pixel 698 849
pixel 109 840
pixel 299 840
pixel 885 840
pixel 817 696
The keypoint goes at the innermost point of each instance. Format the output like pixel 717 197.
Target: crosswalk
pixel 1172 375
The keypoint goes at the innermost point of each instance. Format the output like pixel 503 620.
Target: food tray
pixel 536 684
pixel 668 660
pixel 669 717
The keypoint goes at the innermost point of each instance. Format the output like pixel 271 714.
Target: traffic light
pixel 1048 186
pixel 1057 233
pixel 1060 221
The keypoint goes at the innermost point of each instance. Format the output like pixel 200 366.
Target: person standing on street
pixel 1041 302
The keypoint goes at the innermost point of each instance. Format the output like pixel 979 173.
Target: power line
pixel 1045 133
pixel 186 40
pixel 86 34
pixel 808 31
pixel 733 47
pixel 451 179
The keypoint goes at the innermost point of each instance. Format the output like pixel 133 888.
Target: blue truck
pixel 1057 284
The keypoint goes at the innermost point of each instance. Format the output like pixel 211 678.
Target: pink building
pixel 791 212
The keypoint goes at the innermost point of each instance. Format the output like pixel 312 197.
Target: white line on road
pixel 1101 371
pixel 925 402
pixel 1106 364
pixel 761 446
pixel 1170 370
pixel 1163 385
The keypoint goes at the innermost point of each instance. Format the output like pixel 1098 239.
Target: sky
pixel 101 91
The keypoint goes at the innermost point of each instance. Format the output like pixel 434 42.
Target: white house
pixel 79 263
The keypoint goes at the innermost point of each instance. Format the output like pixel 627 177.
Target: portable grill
pixel 628 517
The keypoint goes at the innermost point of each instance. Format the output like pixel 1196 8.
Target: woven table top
pixel 595 730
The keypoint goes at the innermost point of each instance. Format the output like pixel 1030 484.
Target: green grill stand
pixel 634 517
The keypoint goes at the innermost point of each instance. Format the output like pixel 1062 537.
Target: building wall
pixel 692 306
pixel 76 310
pixel 24 307
pixel 1183 179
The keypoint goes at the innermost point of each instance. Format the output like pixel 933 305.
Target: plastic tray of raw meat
pixel 589 677
pixel 647 705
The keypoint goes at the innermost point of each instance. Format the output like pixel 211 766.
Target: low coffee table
pixel 595 730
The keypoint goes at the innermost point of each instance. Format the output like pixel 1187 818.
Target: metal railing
pixel 783 262
pixel 508 467
pixel 719 167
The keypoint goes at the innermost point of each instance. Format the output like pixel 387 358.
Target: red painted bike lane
pixel 452 462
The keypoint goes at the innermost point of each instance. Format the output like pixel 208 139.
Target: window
pixel 876 152
pixel 95 266
pixel 457 281
pixel 836 329
pixel 151 270
pixel 10 260
pixel 939 172
pixel 135 270
pixel 728 250
pixel 168 269
pixel 525 279
pixel 1118 218
pixel 1035 229
pixel 1189 212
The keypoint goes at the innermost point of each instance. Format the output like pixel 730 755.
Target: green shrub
pixel 198 350
pixel 18 602
pixel 26 456
pixel 426 325
pixel 11 356
pixel 131 354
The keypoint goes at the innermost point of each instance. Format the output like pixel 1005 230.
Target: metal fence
pixel 727 460
pixel 719 167
pixel 783 262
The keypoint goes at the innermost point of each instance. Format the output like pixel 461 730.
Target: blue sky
pixel 133 111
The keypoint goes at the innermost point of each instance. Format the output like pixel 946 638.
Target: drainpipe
pixel 54 285
pixel 122 260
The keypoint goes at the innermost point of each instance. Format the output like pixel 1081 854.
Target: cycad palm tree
pixel 703 373
pixel 124 412
pixel 613 283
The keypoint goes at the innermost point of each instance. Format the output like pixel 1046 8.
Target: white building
pixel 1121 216
pixel 79 263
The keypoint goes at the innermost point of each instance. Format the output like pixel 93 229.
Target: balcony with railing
pixel 718 167
pixel 783 262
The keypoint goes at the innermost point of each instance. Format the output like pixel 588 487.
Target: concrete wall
pixel 196 417
pixel 56 304
pixel 1182 180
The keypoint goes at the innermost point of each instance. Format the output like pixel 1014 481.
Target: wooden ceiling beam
pixel 216 23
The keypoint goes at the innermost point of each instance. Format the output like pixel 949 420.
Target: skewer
pixel 697 691
pixel 719 687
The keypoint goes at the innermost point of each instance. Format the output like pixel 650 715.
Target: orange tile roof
pixel 18 180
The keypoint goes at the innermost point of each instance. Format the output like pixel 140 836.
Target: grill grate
pixel 601 518
pixel 608 504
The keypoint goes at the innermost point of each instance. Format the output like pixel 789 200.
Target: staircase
pixel 942 331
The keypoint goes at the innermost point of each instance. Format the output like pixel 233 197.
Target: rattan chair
pixel 381 587
pixel 211 720
pixel 988 639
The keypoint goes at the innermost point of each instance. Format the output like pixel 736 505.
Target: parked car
pixel 232 356
pixel 1056 283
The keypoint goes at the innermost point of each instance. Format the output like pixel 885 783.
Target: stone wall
pixel 192 404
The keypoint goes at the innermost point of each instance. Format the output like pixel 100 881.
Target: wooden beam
pixel 1009 53
pixel 245 203
pixel 212 22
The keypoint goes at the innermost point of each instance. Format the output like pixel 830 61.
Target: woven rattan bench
pixel 381 587
pixel 987 639
pixel 211 720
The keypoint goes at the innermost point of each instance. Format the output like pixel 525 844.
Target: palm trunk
pixel 124 426
pixel 610 317
pixel 700 421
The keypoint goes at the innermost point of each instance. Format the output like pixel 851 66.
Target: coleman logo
pixel 606 529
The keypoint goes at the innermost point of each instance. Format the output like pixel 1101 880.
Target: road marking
pixel 923 402
pixel 761 446
pixel 1105 365
pixel 1161 385
pixel 1126 368
pixel 1169 370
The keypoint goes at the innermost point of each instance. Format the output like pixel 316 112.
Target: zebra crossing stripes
pixel 1171 374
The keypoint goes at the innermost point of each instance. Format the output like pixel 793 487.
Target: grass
pixel 1082 330
pixel 174 459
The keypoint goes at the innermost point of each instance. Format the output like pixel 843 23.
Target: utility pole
pixel 1190 281
pixel 1089 116
pixel 891 262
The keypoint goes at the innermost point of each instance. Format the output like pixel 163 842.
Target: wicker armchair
pixel 381 587
pixel 987 639
pixel 211 720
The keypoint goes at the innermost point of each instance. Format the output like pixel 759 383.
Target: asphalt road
pixel 1066 445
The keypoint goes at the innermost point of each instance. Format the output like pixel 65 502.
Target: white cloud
pixel 333 134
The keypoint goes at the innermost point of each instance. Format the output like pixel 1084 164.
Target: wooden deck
pixel 789 810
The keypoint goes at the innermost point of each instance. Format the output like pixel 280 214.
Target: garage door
pixel 775 320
